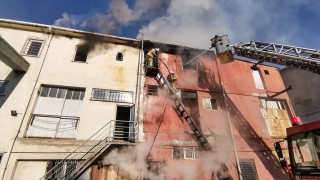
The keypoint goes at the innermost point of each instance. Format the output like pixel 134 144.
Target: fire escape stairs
pixel 184 112
pixel 72 166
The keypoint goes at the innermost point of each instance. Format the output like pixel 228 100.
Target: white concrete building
pixel 58 87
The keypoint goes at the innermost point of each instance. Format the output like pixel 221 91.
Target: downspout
pixel 139 84
pixel 28 105
pixel 229 123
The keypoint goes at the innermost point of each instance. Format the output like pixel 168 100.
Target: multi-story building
pixel 61 86
pixel 80 104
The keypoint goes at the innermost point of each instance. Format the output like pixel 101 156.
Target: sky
pixel 183 22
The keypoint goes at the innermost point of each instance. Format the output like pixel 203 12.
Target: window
pixel 210 104
pixel 56 113
pixel 257 79
pixel 119 57
pixel 1 157
pixel 111 95
pixel 57 170
pixel 272 104
pixel 81 53
pixel 189 59
pixel 266 72
pixel 33 46
pixel 64 93
pixel 3 87
pixel 189 95
pixel 248 169
pixel 153 90
pixel 183 153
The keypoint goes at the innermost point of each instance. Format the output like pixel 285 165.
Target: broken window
pixel 276 116
pixel 33 46
pixel 81 53
pixel 188 59
pixel 210 104
pixel 257 79
pixel 56 113
pixel 153 90
pixel 189 95
pixel 111 95
pixel 3 87
pixel 183 153
pixel 248 169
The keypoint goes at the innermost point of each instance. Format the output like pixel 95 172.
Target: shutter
pixel 131 125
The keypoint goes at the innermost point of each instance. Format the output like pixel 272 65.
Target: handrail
pixel 90 148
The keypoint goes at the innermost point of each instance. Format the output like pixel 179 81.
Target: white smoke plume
pixel 133 160
pixel 193 23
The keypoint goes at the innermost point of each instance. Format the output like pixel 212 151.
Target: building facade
pixel 76 83
pixel 84 105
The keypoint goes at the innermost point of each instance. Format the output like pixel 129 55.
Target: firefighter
pixel 172 78
pixel 150 55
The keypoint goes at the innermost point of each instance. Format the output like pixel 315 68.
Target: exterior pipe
pixel 28 105
pixel 139 83
pixel 229 124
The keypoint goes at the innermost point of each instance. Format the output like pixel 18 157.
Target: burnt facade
pixel 229 103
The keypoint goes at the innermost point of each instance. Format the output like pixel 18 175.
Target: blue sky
pixel 184 22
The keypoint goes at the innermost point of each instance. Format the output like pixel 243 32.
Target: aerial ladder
pixel 299 134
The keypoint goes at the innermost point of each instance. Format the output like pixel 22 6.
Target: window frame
pixel 4 92
pixel 211 108
pixel 112 99
pixel 75 54
pixel 184 155
pixel 28 43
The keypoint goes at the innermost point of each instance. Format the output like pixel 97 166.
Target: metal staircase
pixel 82 157
pixel 183 111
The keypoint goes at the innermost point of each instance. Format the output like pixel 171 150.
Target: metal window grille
pixel 60 170
pixel 272 104
pixel 33 46
pixel 111 95
pixel 153 90
pixel 248 169
pixel 3 86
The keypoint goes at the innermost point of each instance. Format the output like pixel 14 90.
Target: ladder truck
pixel 303 140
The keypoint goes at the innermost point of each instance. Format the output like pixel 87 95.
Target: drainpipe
pixel 229 123
pixel 28 105
pixel 138 83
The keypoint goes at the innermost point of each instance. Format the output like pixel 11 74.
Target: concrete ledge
pixel 10 57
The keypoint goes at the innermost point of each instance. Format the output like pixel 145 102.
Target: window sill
pixel 80 62
pixel 30 55
pixel 110 101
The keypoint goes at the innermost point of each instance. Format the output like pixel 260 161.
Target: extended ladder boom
pixel 302 58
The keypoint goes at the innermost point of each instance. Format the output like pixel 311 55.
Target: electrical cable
pixel 154 139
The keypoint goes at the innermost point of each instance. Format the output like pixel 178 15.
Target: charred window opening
pixel 210 104
pixel 189 63
pixel 119 56
pixel 81 53
pixel 188 94
pixel 153 90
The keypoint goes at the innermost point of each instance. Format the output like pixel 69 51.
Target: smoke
pixel 193 23
pixel 133 160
